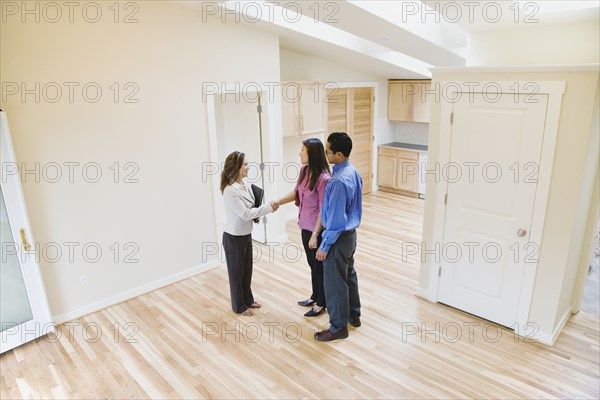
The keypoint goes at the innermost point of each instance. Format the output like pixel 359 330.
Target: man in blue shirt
pixel 341 214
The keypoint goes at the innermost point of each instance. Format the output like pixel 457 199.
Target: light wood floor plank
pixel 183 340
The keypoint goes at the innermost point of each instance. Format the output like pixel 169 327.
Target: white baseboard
pixel 550 338
pixel 425 294
pixel 129 294
pixel 422 293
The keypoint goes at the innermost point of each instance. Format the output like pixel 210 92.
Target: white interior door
pixel 24 312
pixel 492 176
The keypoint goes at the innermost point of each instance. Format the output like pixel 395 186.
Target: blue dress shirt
pixel 342 207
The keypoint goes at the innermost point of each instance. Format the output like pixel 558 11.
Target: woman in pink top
pixel 309 194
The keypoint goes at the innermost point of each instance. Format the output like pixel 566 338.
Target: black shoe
pixel 306 303
pixel 354 321
pixel 313 313
pixel 328 336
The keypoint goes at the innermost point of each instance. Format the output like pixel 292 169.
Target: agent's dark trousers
pixel 238 255
pixel 316 269
pixel 341 282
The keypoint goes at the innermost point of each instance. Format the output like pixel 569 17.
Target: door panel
pixel 489 200
pixel 362 134
pixel 14 301
pixel 351 111
pixel 24 310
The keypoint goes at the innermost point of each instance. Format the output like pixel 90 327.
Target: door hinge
pixel 451 118
pixel 439 271
pixel 259 109
pixel 373 138
pixel 446 199
pixel 373 99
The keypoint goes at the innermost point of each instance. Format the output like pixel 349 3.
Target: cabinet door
pixel 312 109
pixel 407 174
pixel 400 99
pixel 289 110
pixel 386 171
pixel 422 101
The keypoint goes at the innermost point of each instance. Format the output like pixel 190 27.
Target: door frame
pixel 555 91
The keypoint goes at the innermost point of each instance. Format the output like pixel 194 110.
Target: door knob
pixel 521 232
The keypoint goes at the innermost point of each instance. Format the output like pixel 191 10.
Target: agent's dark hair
pixel 317 162
pixel 340 141
pixel 231 169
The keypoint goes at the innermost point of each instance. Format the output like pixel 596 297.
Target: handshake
pixel 275 205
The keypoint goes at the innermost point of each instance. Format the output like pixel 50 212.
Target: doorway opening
pixel 243 122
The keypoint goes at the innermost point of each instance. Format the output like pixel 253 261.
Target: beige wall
pixel 571 44
pixel 168 214
pixel 564 222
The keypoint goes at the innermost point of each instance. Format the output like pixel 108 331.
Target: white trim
pixel 545 337
pixel 214 155
pixel 130 294
pixel 537 68
pixel 554 90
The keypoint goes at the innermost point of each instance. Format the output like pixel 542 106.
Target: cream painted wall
pixel 571 44
pixel 562 225
pixel 168 55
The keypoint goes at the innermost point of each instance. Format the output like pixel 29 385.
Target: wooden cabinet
pixel 386 167
pixel 303 108
pixel 410 101
pixel 398 169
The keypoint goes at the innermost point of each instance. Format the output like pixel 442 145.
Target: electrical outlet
pixel 83 280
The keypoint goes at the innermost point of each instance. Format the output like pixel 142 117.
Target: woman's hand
pixel 312 243
pixel 274 205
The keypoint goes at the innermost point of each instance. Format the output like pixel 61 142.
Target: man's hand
pixel 321 255
pixel 274 205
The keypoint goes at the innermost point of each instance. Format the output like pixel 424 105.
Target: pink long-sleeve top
pixel 311 201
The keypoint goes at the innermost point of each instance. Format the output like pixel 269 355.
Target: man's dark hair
pixel 340 141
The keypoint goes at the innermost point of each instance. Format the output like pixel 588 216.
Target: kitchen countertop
pixel 408 146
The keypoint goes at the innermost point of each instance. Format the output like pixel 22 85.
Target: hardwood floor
pixel 183 341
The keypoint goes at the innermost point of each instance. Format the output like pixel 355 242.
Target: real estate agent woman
pixel 237 232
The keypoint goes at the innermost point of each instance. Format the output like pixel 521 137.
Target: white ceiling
pixel 399 39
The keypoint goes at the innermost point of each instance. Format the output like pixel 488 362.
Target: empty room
pixel 299 200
